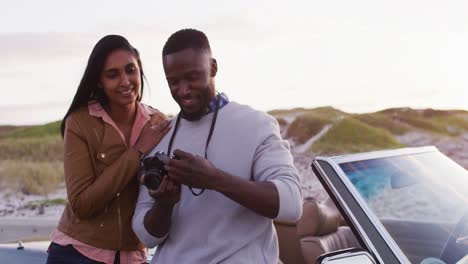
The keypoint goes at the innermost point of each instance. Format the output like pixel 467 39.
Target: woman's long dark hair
pixel 88 87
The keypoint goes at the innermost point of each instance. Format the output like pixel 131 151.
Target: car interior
pixel 419 240
pixel 321 229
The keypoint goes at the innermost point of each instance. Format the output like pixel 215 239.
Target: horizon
pixel 45 117
pixel 358 56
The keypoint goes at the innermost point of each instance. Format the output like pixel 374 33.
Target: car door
pixel 357 215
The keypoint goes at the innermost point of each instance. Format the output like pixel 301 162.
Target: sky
pixel 357 56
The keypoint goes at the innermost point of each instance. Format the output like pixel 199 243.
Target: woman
pixel 105 131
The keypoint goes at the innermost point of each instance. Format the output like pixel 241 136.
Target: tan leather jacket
pixel 101 185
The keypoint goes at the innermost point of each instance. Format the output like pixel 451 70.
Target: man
pixel 233 175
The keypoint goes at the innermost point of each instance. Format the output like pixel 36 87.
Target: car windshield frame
pixel 335 163
pixel 352 210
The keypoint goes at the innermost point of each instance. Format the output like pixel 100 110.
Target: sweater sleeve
pixel 144 204
pixel 273 162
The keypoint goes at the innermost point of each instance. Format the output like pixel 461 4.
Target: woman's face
pixel 120 78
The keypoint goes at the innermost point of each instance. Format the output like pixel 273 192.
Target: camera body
pixel 152 167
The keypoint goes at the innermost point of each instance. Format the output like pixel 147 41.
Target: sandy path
pixel 14 229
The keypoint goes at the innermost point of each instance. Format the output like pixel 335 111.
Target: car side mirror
pixel 346 256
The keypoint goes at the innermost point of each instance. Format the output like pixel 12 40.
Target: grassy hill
pixel 371 131
pixel 450 123
pixel 31 158
pixel 351 135
pixel 41 131
pixel 384 121
pixel 310 122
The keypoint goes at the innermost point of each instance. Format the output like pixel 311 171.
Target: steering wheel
pixel 455 250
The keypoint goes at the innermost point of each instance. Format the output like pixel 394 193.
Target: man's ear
pixel 214 67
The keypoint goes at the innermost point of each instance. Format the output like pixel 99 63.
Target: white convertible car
pixel 398 206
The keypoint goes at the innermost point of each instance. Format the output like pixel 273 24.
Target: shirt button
pixel 118 194
pixel 103 155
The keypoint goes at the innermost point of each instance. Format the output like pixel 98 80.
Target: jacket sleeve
pixel 89 193
pixel 273 162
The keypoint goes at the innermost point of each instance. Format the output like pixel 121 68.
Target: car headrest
pixel 318 218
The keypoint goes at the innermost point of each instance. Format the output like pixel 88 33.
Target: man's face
pixel 190 74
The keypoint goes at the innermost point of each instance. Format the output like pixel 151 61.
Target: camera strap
pixel 208 139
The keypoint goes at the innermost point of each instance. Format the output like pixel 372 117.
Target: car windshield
pixel 421 200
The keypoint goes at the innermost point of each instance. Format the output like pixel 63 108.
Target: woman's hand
pixel 151 135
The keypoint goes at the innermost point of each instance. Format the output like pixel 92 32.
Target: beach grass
pixel 306 126
pixel 40 131
pixel 45 202
pixel 308 122
pixel 31 158
pixel 384 121
pixel 280 112
pixel 447 123
pixel 44 148
pixel 327 112
pixel 350 135
pixel 31 177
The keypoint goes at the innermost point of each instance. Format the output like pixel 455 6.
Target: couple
pixel 233 176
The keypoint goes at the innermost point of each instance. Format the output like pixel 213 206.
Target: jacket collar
pixel 143 115
pixel 96 109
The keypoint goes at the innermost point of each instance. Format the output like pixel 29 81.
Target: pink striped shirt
pixel 98 254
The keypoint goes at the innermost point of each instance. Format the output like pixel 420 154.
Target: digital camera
pixel 152 167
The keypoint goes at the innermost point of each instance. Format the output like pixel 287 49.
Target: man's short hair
pixel 185 39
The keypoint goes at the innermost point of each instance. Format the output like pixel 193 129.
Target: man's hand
pixel 197 172
pixel 167 194
pixel 192 170
pixel 157 220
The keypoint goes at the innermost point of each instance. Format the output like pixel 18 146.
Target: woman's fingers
pixel 165 130
pixel 162 126
pixel 151 135
pixel 160 129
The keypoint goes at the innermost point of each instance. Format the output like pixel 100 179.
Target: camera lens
pixel 153 169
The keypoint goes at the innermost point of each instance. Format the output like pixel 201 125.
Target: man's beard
pixel 205 98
